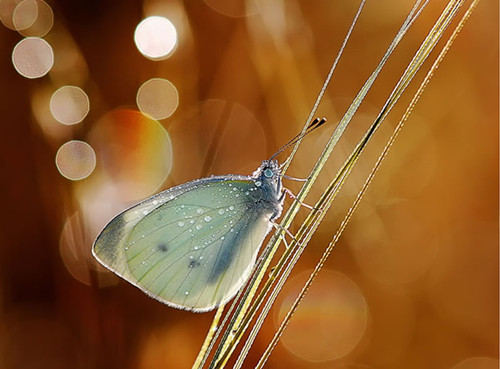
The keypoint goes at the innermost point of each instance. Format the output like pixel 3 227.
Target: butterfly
pixel 193 246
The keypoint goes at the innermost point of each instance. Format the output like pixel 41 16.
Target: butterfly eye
pixel 268 173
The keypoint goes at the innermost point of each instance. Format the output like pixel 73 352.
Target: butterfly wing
pixel 191 247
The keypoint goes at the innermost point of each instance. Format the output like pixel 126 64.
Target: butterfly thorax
pixel 268 178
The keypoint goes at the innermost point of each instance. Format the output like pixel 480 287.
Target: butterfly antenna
pixel 316 123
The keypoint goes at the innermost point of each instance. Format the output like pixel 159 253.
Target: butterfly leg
pixel 286 191
pixel 278 226
pixel 295 178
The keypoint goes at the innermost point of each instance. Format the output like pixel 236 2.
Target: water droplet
pixel 191 221
pixel 171 197
pixel 237 195
pixel 180 224
pixel 191 257
pixel 199 211
pixel 186 293
pixel 247 193
pixel 232 229
pixel 258 183
pixel 229 184
pixel 222 237
pixel 231 207
pixel 208 218
pixel 199 226
pixel 220 211
pixel 201 258
pixel 196 248
pixel 145 212
pixel 155 202
pixel 182 206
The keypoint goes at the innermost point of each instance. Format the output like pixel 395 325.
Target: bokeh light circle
pixel 155 37
pixel 33 57
pixel 135 152
pixel 219 124
pixel 75 244
pixel 69 105
pixel 7 8
pixel 25 14
pixel 329 322
pixel 33 18
pixel 75 160
pixel 390 257
pixel 157 98
pixel 40 106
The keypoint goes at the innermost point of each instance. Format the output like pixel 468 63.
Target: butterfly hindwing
pixel 190 247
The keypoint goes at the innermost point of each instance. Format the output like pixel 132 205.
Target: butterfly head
pixel 269 175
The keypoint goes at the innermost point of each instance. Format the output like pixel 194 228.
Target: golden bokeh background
pixel 104 103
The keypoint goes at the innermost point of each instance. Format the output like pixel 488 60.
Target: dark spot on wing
pixel 194 264
pixel 162 247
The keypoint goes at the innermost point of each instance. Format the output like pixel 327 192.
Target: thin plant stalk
pixel 369 179
pixel 312 222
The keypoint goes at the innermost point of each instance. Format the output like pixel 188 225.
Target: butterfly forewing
pixel 193 250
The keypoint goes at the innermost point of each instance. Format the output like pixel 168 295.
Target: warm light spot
pixel 157 98
pixel 222 125
pixel 69 105
pixel 393 249
pixel 329 322
pixel 71 67
pixel 75 246
pixel 25 14
pixel 135 152
pixel 33 18
pixel 40 106
pixel 75 160
pixel 33 57
pixel 7 8
pixel 155 37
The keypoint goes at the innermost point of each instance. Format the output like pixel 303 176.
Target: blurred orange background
pixel 413 283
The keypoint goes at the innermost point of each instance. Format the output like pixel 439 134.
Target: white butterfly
pixel 194 245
